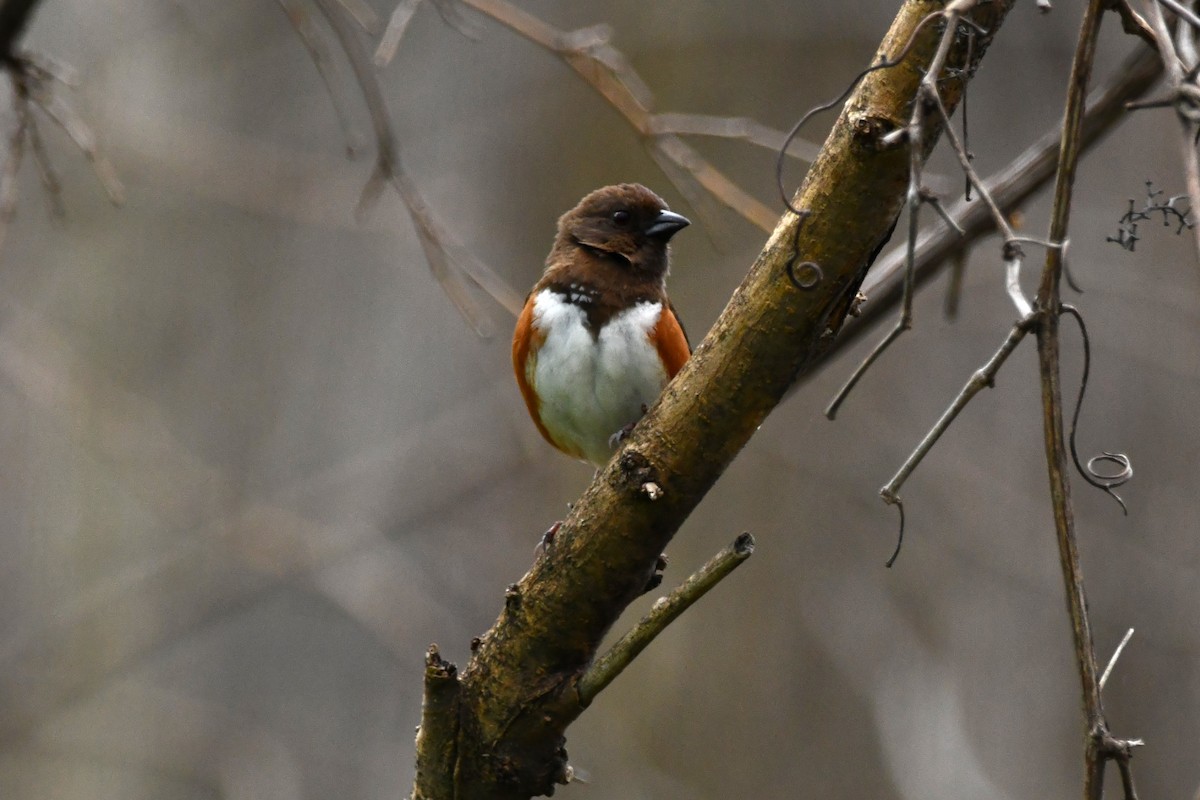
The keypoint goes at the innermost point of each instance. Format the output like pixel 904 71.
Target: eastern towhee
pixel 598 339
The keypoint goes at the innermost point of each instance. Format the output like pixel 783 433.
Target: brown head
pixel 626 226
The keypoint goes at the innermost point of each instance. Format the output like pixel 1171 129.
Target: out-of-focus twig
pixel 317 44
pixel 452 264
pixel 604 68
pixel 1185 13
pixel 14 18
pixel 36 82
pixel 402 14
pixel 39 82
pixel 1185 96
pixel 363 15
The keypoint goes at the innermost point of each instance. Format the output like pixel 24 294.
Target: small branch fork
pixel 591 55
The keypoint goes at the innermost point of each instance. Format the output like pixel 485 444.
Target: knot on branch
pixel 436 666
pixel 1012 250
pixel 1115 749
pixel 637 471
pixel 512 597
pixel 805 275
pixel 872 133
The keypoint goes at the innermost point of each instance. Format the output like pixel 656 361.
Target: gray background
pixel 254 462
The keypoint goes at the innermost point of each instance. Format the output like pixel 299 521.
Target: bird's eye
pixel 621 217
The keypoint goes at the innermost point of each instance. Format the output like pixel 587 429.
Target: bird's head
pixel 626 224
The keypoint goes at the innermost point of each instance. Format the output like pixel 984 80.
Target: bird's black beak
pixel 666 225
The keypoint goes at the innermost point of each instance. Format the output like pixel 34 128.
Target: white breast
pixel 590 388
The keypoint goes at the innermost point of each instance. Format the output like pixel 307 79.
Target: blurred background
pixel 254 461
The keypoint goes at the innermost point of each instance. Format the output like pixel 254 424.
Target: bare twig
pixel 1157 204
pixel 1048 311
pixel 1010 186
pixel 316 42
pixel 36 82
pixel 1127 779
pixel 45 170
pixel 42 92
pixel 982 378
pixel 363 15
pixel 12 166
pixel 665 611
pixel 455 268
pixel 744 128
pixel 1133 23
pixel 1112 662
pixel 1013 255
pixel 985 376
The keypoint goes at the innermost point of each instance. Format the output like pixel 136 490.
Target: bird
pixel 598 338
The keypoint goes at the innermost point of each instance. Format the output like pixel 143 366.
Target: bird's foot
pixel 547 540
pixel 627 429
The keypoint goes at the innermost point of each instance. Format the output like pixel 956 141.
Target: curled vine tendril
pixel 900 536
pixel 795 131
pixel 804 275
pixel 1106 483
pixel 841 98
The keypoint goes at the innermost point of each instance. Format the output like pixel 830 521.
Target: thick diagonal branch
pixel 519 692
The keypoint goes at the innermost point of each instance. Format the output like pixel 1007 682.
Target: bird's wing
pixel 527 340
pixel 671 341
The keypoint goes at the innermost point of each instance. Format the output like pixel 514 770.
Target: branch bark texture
pixel 1049 311
pixel 520 690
